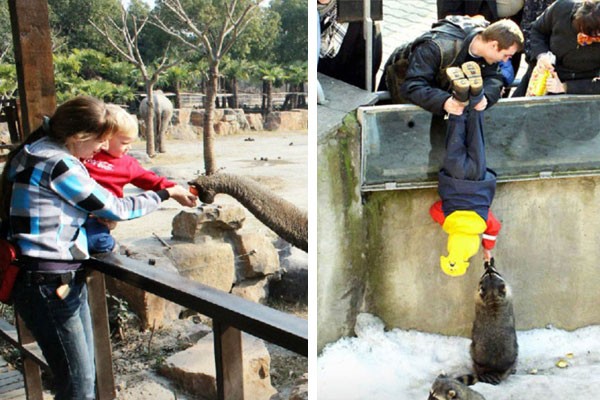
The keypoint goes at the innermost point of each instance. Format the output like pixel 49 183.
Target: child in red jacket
pixel 468 243
pixel 113 168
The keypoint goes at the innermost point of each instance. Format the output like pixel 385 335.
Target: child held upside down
pixel 113 168
pixel 465 186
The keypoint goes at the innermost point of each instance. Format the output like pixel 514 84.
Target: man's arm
pixel 492 83
pixel 420 86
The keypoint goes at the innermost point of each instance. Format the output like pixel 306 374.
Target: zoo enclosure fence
pixel 230 316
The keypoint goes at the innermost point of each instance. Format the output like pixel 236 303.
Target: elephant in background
pixel 163 112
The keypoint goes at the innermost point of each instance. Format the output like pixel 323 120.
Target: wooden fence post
pixel 228 361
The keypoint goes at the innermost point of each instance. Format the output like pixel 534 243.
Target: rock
pixel 194 369
pixel 255 121
pixel 256 255
pixel 256 290
pixel 181 116
pixel 147 390
pixel 368 324
pixel 149 308
pixel 210 263
pixel 286 120
pixel 207 220
pixel 197 118
pixel 292 285
pixel 300 390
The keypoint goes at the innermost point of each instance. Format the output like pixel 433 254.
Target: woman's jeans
pixel 63 330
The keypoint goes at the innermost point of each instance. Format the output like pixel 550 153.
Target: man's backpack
pixel 448 34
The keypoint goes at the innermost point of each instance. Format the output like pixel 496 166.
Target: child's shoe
pixel 460 85
pixel 473 74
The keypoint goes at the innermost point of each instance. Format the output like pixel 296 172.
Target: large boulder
pixel 153 311
pixel 211 220
pixel 211 263
pixel 194 369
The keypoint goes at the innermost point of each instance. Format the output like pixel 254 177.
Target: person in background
pixel 491 10
pixel 342 54
pixel 47 195
pixel 113 168
pixel 569 32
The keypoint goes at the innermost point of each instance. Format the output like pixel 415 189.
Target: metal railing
pixel 230 315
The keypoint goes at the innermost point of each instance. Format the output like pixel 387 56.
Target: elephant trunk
pixel 281 216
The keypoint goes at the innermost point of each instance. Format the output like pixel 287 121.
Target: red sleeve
pixel 146 179
pixel 493 229
pixel 437 213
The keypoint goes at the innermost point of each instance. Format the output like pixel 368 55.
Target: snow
pixel 401 364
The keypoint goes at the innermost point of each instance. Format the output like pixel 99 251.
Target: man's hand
pixel 482 105
pixel 182 196
pixel 453 106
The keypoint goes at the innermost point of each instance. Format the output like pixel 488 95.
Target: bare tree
pixel 127 46
pixel 214 34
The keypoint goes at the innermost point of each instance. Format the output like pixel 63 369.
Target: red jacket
pixel 114 173
pixel 488 239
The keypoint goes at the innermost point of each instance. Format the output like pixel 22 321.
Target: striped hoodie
pixel 53 195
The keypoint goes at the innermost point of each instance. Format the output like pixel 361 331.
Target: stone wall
pixel 232 121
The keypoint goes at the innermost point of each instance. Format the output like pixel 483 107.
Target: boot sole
pixel 472 72
pixel 460 84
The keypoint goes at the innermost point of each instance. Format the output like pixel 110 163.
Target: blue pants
pixel 465 182
pixel 99 237
pixel 465 146
pixel 63 330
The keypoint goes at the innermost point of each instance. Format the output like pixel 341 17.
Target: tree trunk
pixel 269 109
pixel 263 106
pixel 234 93
pixel 209 106
pixel 177 94
pixel 150 132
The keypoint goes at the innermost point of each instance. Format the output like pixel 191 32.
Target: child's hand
pixel 182 196
pixel 487 255
pixel 109 224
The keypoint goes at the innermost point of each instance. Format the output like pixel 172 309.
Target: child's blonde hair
pixel 126 124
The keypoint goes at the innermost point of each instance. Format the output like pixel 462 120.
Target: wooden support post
pixel 229 362
pixel 105 387
pixel 33 56
pixel 31 371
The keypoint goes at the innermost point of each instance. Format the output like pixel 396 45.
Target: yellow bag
pixel 537 82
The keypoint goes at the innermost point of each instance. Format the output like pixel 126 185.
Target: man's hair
pixel 587 17
pixel 506 32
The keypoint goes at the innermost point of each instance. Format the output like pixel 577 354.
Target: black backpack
pixel 448 34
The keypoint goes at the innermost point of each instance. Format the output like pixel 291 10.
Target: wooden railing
pixel 230 315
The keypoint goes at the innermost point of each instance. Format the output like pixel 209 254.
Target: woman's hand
pixel 546 61
pixel 182 196
pixel 554 85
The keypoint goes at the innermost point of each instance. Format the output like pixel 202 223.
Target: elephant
pixel 163 112
pixel 281 216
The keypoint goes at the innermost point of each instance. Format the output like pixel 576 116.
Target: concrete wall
pixel 381 255
pixel 341 268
